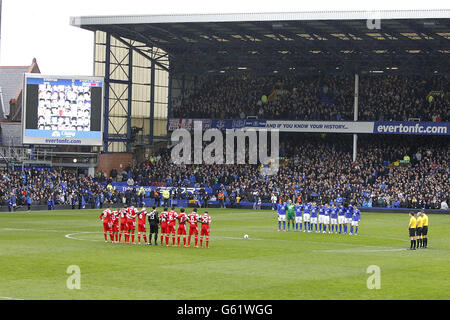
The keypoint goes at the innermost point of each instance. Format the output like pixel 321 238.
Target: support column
pixel 106 90
pixel 152 104
pixel 355 116
pixel 183 84
pixel 169 99
pixel 130 97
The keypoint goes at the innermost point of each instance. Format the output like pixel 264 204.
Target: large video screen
pixel 61 110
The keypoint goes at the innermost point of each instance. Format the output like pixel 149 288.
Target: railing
pixel 38 156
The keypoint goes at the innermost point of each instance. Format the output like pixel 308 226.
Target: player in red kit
pixel 163 221
pixel 171 222
pixel 115 226
pixel 142 215
pixel 182 219
pixel 123 222
pixel 193 218
pixel 205 220
pixel 106 217
pixel 131 222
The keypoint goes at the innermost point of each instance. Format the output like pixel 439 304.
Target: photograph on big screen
pixel 63 110
pixel 64 107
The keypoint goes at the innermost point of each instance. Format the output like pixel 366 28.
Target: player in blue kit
pixel 348 217
pixel 314 212
pixel 281 210
pixel 341 217
pixel 355 220
pixel 298 216
pixel 307 216
pixel 321 217
pixel 334 218
pixel 326 218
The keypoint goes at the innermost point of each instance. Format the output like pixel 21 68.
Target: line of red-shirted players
pixel 167 221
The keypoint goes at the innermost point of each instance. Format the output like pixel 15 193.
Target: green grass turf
pixel 35 254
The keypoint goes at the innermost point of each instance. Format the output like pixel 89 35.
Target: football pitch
pixel 37 249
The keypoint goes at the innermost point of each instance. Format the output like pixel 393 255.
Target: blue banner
pixel 66 82
pixel 122 187
pixel 63 134
pixel 420 128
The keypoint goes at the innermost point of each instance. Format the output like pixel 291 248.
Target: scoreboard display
pixel 60 110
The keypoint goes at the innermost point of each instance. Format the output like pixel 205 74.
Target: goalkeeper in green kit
pixel 290 214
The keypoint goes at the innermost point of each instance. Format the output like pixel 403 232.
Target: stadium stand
pixel 45 186
pixel 322 168
pixel 313 167
pixel 382 97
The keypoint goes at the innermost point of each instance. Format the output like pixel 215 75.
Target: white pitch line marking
pixel 70 236
pixel 234 238
pixel 9 298
pixel 359 250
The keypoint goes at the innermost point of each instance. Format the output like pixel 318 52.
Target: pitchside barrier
pixel 215 204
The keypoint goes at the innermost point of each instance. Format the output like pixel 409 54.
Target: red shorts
pixel 205 230
pixel 131 225
pixel 171 227
pixel 123 225
pixel 164 227
pixel 115 227
pixel 181 229
pixel 141 227
pixel 106 226
pixel 193 230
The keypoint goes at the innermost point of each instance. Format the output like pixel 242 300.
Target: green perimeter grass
pixel 35 254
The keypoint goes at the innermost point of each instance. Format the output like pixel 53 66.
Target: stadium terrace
pixel 334 83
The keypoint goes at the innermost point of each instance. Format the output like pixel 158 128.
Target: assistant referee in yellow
pixel 419 229
pixel 424 229
pixel 412 230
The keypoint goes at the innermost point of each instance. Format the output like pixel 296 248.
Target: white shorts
pixel 298 219
pixel 333 221
pixel 355 223
pixel 321 216
pixel 326 219
pixel 281 217
pixel 341 219
pixel 306 217
pixel 348 220
pixel 314 220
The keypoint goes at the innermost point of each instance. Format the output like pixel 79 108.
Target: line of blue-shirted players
pixel 317 217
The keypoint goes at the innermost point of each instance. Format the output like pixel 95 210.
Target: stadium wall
pixel 118 161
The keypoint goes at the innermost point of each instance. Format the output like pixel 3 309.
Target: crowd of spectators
pixel 46 186
pixel 400 98
pixel 322 168
pixel 381 98
pixel 312 167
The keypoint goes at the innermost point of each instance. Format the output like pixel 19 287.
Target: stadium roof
pixel 301 42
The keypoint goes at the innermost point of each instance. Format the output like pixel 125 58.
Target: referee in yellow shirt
pixel 424 229
pixel 419 227
pixel 412 230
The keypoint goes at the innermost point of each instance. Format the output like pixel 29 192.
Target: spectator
pixel 319 98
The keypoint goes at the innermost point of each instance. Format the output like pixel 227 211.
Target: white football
pixel 245 236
